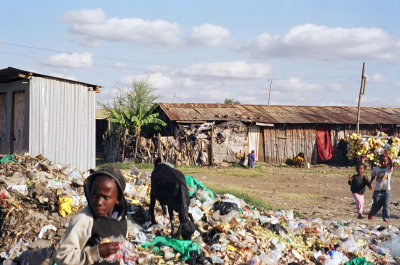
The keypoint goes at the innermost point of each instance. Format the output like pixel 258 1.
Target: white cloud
pixel 85 16
pixel 235 69
pixel 135 30
pixel 321 42
pixel 69 60
pixel 157 81
pixel 374 101
pixel 69 77
pixel 121 66
pixel 336 87
pixel 293 85
pixel 210 35
pixel 377 78
pixel 397 84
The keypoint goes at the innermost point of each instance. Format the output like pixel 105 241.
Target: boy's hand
pixel 107 249
pixel 350 177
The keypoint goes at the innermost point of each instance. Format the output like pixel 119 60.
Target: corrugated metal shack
pixel 277 133
pixel 47 115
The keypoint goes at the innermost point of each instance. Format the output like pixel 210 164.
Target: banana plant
pixel 119 118
pixel 133 123
pixel 142 119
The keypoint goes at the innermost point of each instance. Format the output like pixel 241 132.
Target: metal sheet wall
pixel 62 123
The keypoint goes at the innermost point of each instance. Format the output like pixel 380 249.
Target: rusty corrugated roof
pixel 198 112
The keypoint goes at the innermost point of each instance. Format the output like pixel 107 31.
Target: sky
pixel 305 52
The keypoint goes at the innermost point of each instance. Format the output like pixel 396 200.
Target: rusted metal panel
pixel 194 112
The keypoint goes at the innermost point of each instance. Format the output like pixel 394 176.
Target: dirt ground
pixel 320 191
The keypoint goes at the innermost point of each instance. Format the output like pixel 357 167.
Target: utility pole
pixel 269 93
pixel 362 91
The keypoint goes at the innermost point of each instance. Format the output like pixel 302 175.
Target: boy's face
pixel 384 161
pixel 103 196
pixel 360 170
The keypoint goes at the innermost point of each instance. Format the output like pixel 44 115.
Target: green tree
pixel 130 98
pixel 231 101
pixel 131 110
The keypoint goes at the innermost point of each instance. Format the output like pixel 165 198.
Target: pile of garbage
pixel 38 198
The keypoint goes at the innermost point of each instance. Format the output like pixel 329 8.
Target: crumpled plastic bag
pixel 393 246
pixel 182 246
pixel 7 159
pixel 193 184
pixel 65 205
pixel 35 257
pixel 225 207
pixel 359 261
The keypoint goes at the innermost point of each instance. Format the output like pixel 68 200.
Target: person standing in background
pixel 251 158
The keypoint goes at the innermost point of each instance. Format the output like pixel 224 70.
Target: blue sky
pixel 207 51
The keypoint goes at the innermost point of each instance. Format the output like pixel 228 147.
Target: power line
pixel 277 78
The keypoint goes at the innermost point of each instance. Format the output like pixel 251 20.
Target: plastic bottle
pixel 196 213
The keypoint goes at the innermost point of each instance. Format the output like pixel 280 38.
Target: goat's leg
pixel 191 217
pixel 151 209
pixel 171 218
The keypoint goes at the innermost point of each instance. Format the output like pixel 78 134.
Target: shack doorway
pixel 261 147
pixel 254 139
pixel 18 122
pixel 3 111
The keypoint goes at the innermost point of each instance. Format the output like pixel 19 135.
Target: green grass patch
pixel 242 195
pixel 121 165
pixel 226 171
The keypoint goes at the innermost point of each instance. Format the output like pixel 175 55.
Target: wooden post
pixel 211 146
pixel 362 91
pixel 269 93
pixel 159 146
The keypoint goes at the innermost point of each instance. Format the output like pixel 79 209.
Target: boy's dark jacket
pixel 358 184
pixel 85 231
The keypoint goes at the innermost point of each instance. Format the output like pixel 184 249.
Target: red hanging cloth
pixel 324 144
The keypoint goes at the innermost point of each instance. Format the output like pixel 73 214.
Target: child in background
pixel 381 195
pixel 358 183
pixel 88 239
pixel 251 158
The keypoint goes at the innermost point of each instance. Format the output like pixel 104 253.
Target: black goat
pixel 168 186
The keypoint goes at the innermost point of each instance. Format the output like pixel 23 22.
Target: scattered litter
pixel 43 196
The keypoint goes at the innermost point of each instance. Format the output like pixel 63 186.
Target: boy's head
pixel 104 191
pixel 360 168
pixel 385 160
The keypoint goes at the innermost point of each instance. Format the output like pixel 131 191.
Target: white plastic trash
pixel 196 213
pixel 393 246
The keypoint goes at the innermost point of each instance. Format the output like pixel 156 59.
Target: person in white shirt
pixel 381 197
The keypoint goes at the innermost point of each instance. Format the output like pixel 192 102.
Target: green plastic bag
pixel 359 261
pixel 182 246
pixel 7 159
pixel 193 184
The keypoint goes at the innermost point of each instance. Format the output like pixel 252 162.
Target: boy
pixel 105 216
pixel 381 197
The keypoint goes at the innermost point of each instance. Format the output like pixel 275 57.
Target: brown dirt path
pixel 317 192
